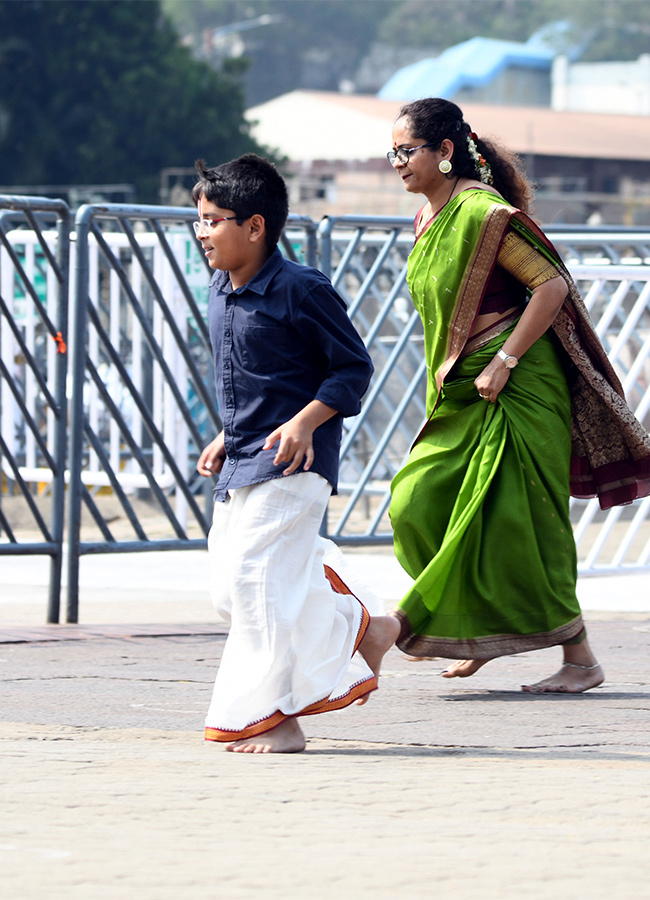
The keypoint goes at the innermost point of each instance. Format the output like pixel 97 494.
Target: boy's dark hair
pixel 247 185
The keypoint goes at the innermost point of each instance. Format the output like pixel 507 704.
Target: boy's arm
pixel 324 324
pixel 295 437
pixel 212 457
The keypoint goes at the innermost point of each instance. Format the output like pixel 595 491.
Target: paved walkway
pixel 434 789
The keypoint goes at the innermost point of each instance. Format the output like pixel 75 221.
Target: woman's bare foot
pixel 287 737
pixel 463 668
pixel 381 634
pixel 572 678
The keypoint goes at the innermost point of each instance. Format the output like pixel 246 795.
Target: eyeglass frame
pixel 199 225
pixel 392 155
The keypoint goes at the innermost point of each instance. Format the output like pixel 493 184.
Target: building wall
pixel 514 86
pixel 605 87
pixel 370 189
pixel 569 190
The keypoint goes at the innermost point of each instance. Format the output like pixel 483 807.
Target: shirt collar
pixel 258 283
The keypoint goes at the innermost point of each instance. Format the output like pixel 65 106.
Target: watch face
pixel 508 361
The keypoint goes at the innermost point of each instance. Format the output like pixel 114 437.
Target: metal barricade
pixel 366 259
pixel 34 274
pixel 618 299
pixel 140 382
pixel 614 245
pixel 142 405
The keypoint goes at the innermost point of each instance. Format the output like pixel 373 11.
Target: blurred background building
pixel 581 129
pixel 316 84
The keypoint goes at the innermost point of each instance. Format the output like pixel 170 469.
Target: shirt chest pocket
pixel 265 348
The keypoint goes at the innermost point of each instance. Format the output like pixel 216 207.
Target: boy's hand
pixel 296 436
pixel 212 457
pixel 295 444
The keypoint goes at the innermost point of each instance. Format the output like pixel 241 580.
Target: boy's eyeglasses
pixel 203 225
pixel 403 154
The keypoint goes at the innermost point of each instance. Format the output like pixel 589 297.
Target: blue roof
pixel 473 63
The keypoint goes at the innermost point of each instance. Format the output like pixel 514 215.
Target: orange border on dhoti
pixel 325 705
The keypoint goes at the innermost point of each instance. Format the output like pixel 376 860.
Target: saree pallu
pixel 448 271
pixel 480 515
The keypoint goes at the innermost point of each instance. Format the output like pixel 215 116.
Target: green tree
pixel 616 29
pixel 608 29
pixel 104 92
pixel 314 44
pixel 441 23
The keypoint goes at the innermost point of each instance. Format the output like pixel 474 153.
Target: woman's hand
pixel 544 304
pixel 492 380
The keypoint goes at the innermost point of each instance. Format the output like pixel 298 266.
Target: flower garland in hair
pixel 481 163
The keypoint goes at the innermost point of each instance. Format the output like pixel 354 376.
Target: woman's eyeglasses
pixel 403 154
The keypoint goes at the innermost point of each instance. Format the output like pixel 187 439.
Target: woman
pixel 523 406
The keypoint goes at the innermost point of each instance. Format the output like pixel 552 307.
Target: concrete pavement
pixel 433 789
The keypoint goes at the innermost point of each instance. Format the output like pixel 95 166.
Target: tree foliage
pixel 609 29
pixel 615 29
pixel 104 93
pixel 320 43
pixel 441 23
pixel 314 44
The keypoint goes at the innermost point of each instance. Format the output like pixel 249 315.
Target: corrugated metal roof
pixel 473 63
pixel 319 125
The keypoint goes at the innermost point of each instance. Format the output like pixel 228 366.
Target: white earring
pixel 445 166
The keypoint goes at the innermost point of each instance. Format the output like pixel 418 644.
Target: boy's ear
pixel 257 227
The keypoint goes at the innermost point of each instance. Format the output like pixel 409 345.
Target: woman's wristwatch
pixel 508 361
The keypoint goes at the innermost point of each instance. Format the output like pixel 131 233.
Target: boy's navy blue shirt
pixel 279 342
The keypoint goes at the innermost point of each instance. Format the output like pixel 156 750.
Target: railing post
pixel 325 230
pixel 78 337
pixel 61 426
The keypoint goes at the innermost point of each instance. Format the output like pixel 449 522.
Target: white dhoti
pixel 293 640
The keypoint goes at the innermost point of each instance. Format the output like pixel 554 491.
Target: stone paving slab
pixel 129 814
pixel 434 789
pixel 165 682
pixel 20 634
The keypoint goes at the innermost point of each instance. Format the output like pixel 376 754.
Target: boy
pixel 289 365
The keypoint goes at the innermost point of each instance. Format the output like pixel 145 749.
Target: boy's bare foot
pixel 572 678
pixel 463 668
pixel 287 737
pixel 380 636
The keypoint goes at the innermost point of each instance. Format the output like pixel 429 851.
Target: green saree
pixel 480 509
pixel 480 514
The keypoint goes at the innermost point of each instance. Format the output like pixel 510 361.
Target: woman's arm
pixel 543 306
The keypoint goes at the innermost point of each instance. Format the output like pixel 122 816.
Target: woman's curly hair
pixel 434 119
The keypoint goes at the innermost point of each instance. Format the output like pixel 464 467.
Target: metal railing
pixel 366 259
pixel 140 383
pixel 143 403
pixel 34 269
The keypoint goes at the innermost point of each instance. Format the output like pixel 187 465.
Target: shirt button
pixel 232 462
